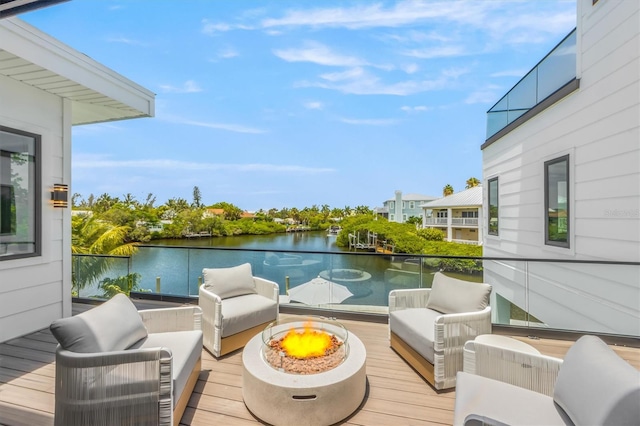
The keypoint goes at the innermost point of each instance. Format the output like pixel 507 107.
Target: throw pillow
pixel 229 282
pixel 114 325
pixel 453 296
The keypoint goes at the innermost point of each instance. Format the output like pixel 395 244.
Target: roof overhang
pixel 98 94
pixel 13 7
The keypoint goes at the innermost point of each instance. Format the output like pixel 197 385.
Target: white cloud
pixel 410 68
pixel 358 81
pixel 370 121
pixel 314 105
pixel 415 109
pixel 376 15
pixel 125 40
pixel 509 22
pixel 487 95
pixel 351 74
pixel 189 86
pixel 435 52
pixel 211 28
pixel 92 161
pixel 319 54
pixel 160 115
pixel 510 73
pixel 227 53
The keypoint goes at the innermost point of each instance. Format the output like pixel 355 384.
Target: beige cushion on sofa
pixel 453 296
pixel 229 282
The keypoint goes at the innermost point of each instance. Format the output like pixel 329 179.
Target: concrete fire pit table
pixel 325 398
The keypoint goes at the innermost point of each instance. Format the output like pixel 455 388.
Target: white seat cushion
pixel 186 348
pixel 243 312
pixel 416 328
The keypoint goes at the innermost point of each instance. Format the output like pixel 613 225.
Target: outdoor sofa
pixel 593 386
pixel 117 365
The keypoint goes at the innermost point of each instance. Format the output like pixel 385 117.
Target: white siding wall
pixel 35 291
pixel 599 127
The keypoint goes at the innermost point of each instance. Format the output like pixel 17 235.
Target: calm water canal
pixel 178 263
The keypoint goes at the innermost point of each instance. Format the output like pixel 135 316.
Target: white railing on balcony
pixel 455 221
pixel 436 221
pixel 464 221
pixel 468 242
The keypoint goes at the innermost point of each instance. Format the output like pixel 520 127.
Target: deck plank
pixel 396 394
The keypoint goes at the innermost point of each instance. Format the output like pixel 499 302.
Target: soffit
pixel 98 94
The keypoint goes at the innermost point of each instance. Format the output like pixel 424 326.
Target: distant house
pixel 46 87
pixel 457 215
pixel 561 167
pixel 247 215
pixel 212 212
pixel 402 207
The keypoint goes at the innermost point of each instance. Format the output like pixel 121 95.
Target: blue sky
pixel 275 103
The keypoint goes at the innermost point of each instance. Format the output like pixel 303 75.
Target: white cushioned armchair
pixel 591 386
pixel 428 327
pixel 235 307
pixel 115 365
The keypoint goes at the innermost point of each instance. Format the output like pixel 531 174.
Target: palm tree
pixel 93 236
pixel 471 182
pixel 447 190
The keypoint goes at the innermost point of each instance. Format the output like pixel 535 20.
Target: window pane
pixel 19 200
pixel 557 195
pixel 493 206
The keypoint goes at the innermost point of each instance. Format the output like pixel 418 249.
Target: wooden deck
pixel 396 394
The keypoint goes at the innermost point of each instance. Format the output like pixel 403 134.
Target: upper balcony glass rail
pixel 578 296
pixel 553 72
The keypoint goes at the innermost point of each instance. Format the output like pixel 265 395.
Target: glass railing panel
pixel 586 297
pixel 553 72
pixel 509 303
pixel 523 95
pixel 496 121
pixel 513 115
pixel 92 275
pixel 162 270
pixel 558 68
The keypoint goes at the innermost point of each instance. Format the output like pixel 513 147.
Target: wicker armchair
pixel 527 370
pixel 115 365
pixel 235 307
pixel 428 327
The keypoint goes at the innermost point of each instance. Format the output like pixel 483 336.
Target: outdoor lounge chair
pixel 428 327
pixel 235 307
pixel 118 366
pixel 591 386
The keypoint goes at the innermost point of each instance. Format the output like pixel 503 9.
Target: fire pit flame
pixel 307 344
pixel 306 348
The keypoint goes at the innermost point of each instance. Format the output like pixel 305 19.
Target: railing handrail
pixel 425 256
pixel 100 255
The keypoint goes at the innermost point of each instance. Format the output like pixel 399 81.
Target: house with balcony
pixel 561 171
pixel 46 87
pixel 458 216
pixel 402 207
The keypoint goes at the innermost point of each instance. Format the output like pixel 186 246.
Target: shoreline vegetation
pixel 109 225
pixel 124 222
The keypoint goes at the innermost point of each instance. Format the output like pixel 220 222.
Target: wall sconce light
pixel 60 195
